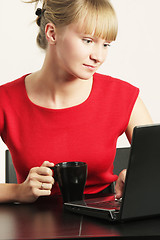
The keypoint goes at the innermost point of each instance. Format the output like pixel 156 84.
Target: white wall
pixel 134 57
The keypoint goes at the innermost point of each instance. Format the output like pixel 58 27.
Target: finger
pixel 40 189
pixel 46 186
pixel 39 192
pixel 123 175
pixel 41 175
pixel 44 171
pixel 47 164
pixel 45 179
pixel 120 184
pixel 119 189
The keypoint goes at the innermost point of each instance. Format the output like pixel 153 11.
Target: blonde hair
pixel 93 16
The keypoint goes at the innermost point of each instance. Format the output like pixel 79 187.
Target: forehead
pixel 97 32
pixel 76 29
pixel 99 26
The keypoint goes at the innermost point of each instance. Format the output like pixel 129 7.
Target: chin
pixel 84 76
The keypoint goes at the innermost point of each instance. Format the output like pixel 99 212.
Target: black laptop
pixel 141 196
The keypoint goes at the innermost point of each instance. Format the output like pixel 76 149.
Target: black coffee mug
pixel 71 178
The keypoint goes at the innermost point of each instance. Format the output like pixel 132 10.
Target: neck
pixel 61 84
pixel 55 78
pixel 56 89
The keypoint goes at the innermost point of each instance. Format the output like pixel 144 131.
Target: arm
pixel 31 188
pixel 139 116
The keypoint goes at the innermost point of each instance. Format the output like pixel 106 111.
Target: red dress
pixel 87 132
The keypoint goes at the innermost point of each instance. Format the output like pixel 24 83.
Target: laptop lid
pixel 141 195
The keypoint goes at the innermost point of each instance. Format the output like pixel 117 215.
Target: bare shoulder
pixel 139 116
pixel 29 79
pixel 31 83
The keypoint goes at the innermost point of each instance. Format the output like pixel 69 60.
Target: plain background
pixel 134 57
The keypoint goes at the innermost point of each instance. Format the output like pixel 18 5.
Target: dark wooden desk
pixel 46 219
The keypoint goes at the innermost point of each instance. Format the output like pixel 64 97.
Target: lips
pixel 90 66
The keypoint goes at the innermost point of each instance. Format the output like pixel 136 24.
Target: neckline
pixel 75 107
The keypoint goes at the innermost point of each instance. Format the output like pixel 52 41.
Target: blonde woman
pixel 66 111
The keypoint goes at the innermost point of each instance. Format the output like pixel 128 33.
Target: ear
pixel 50 31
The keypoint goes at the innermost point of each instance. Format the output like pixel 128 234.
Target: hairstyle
pixel 93 16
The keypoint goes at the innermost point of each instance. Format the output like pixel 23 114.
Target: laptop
pixel 141 195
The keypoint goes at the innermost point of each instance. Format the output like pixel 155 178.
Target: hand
pixel 38 183
pixel 120 183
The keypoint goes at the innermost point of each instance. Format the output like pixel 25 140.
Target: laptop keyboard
pixel 113 204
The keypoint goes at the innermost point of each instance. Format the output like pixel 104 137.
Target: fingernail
pixel 50 162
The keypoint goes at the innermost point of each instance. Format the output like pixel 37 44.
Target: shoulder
pixel 106 79
pixel 114 86
pixel 12 93
pixel 11 96
pixel 12 87
pixel 13 84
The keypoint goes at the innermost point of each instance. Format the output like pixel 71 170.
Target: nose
pixel 98 54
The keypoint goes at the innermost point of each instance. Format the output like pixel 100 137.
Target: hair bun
pixel 38 12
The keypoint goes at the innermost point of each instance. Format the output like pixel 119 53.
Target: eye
pixel 87 40
pixel 106 45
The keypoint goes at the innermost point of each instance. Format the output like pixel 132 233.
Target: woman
pixel 66 111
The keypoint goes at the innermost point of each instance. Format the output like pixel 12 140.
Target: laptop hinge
pixel 114 214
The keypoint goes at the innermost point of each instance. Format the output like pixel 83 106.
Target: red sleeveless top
pixel 87 132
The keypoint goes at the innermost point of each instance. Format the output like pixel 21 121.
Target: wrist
pixel 17 193
pixel 9 192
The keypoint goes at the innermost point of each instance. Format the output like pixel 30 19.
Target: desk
pixel 46 219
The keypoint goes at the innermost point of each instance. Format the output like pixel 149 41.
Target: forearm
pixel 8 192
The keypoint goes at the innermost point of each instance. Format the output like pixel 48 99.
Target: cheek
pixel 72 50
pixel 75 51
pixel 105 56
